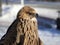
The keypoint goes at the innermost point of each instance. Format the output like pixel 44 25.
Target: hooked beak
pixel 37 14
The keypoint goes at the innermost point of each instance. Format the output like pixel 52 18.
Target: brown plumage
pixel 24 30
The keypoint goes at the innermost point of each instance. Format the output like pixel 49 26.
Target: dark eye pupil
pixel 29 13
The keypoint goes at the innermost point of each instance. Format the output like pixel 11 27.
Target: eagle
pixel 23 30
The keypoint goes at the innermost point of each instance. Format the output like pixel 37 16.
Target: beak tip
pixel 37 15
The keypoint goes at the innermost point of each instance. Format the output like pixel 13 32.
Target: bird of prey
pixel 23 30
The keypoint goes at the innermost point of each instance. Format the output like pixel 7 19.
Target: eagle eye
pixel 30 13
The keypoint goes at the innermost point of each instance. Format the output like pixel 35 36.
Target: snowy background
pixel 46 27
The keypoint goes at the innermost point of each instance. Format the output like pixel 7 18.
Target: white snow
pixel 45 12
pixel 11 13
pixel 49 36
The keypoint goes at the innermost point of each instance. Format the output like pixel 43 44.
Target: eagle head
pixel 27 13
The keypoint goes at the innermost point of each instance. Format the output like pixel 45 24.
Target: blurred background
pixel 48 10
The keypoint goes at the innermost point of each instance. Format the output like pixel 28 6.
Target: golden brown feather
pixel 24 30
